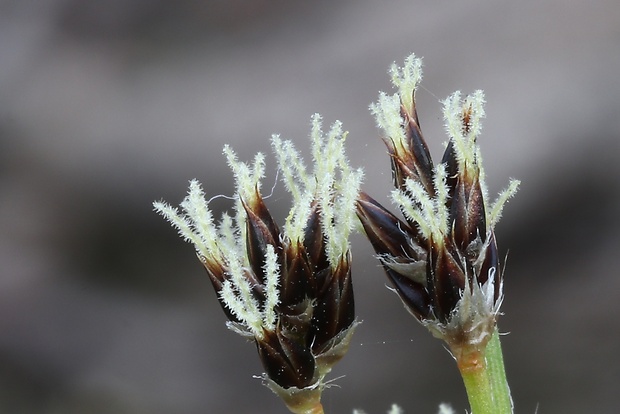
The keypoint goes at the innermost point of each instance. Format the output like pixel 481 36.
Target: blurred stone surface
pixel 105 107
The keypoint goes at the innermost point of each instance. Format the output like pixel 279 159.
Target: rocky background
pixel 107 106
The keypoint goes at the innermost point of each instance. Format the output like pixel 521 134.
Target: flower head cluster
pixel 442 259
pixel 289 289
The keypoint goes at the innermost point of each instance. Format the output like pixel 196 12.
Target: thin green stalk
pixel 497 374
pixel 485 379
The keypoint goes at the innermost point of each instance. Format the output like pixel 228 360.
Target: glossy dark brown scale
pixel 335 308
pixel 261 232
pixel 386 232
pixel 287 361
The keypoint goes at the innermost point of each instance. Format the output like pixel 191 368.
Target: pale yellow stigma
pixel 333 185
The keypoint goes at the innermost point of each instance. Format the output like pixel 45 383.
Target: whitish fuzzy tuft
pixel 333 185
pixel 463 124
pixel 407 79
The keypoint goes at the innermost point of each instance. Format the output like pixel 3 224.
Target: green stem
pixel 497 374
pixel 485 379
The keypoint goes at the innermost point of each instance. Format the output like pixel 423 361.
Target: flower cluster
pixel 442 259
pixel 288 289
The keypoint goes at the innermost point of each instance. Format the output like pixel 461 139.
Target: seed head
pixel 288 289
pixel 442 259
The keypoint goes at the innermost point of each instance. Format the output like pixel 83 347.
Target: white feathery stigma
pixel 332 185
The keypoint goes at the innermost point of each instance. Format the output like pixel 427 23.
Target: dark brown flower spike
pixel 289 290
pixel 442 260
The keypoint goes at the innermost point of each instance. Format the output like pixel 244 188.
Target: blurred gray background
pixel 107 106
